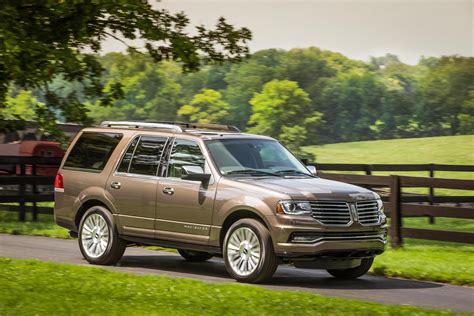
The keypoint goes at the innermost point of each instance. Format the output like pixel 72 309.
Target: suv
pixel 209 190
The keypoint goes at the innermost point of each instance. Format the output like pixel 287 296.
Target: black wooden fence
pixel 21 184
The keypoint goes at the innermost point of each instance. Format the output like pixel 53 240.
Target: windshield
pixel 256 157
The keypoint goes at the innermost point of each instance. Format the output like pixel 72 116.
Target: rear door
pixel 134 183
pixel 184 208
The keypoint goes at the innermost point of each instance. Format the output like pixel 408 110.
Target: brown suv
pixel 209 190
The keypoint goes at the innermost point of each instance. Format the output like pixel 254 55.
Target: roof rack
pixel 175 126
pixel 140 125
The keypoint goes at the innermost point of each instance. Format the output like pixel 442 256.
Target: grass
pixel 61 289
pixel 430 261
pixel 45 226
pixel 455 150
pixel 437 261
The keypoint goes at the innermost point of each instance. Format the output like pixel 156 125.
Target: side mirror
pixel 194 173
pixel 312 169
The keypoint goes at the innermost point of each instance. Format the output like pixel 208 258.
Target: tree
pixel 247 78
pixel 205 107
pixel 444 89
pixel 40 40
pixel 283 110
pixel 150 90
pixel 351 104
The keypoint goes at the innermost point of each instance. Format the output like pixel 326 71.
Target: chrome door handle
pixel 169 191
pixel 115 184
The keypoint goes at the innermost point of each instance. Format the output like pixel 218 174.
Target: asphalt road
pixel 142 261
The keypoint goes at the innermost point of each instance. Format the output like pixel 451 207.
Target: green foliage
pixel 123 294
pixel 283 110
pixel 45 40
pixel 446 87
pixel 205 107
pixel 21 106
pixel 344 121
pixel 150 91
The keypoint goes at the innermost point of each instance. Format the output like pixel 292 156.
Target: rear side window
pixel 92 151
pixel 184 153
pixel 143 156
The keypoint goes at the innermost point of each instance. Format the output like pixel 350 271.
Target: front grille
pixel 307 237
pixel 331 212
pixel 368 212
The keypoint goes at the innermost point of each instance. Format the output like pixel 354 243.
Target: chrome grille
pixel 368 212
pixel 331 212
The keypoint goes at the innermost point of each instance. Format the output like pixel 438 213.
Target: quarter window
pixel 184 153
pixel 127 157
pixel 146 156
pixel 92 151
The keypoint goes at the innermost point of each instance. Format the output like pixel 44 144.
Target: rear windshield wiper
pixel 251 172
pixel 294 171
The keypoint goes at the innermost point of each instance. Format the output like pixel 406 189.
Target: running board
pixel 172 244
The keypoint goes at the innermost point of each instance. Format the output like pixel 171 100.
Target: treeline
pixel 302 96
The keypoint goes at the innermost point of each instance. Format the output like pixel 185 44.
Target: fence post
pixel 431 194
pixel 35 192
pixel 22 213
pixel 395 212
pixel 368 170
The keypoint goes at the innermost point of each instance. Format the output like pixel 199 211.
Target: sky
pixel 356 28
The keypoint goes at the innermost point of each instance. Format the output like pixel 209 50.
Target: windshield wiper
pixel 251 172
pixel 294 171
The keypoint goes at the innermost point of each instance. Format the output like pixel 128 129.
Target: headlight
pixel 294 208
pixel 380 206
pixel 382 217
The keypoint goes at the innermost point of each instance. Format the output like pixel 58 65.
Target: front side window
pixel 184 153
pixel 92 151
pixel 143 156
pixel 254 156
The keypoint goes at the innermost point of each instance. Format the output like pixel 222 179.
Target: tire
pixel 251 269
pixel 352 273
pixel 97 228
pixel 195 256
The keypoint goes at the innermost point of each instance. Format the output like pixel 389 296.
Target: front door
pixel 133 186
pixel 184 208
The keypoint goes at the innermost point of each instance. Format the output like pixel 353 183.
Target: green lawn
pixel 60 289
pixel 455 150
pixel 45 226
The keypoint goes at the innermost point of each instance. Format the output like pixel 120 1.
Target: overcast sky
pixel 355 28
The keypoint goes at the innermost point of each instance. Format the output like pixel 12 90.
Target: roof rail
pixel 209 126
pixel 175 126
pixel 130 124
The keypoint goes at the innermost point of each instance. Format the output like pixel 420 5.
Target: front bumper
pixel 295 237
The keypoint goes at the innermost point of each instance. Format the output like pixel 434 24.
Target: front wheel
pixel 353 273
pixel 99 241
pixel 195 256
pixel 248 252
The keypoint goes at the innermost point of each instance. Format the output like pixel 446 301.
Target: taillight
pixel 59 181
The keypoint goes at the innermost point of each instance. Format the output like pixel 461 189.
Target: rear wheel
pixel 353 273
pixel 98 237
pixel 248 252
pixel 195 256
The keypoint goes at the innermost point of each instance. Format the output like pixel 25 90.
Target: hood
pixel 312 188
